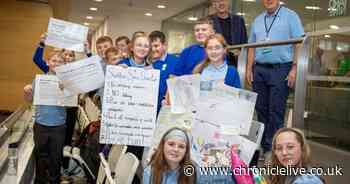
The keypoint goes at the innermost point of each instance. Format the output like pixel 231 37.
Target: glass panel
pixel 328 91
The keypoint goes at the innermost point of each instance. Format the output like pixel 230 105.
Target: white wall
pixel 119 26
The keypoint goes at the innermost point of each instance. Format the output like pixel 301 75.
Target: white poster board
pixel 82 76
pixel 67 35
pixel 47 92
pixel 129 106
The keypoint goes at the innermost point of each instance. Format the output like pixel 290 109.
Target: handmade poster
pixel 67 35
pixel 183 92
pixel 211 148
pixel 129 106
pixel 82 76
pixel 48 92
pixel 231 108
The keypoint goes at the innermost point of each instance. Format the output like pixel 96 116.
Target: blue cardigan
pixel 232 77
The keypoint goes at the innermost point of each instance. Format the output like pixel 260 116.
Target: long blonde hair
pixel 200 67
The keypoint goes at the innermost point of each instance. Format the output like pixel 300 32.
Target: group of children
pixel 54 125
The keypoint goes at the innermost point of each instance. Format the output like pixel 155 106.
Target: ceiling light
pixel 161 6
pixel 282 3
pixel 93 9
pixel 89 17
pixel 148 14
pixel 98 0
pixel 192 18
pixel 334 27
pixel 312 8
pixel 86 24
pixel 249 0
pixel 240 13
pixel 327 36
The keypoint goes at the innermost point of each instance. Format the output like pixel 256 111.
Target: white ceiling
pixel 130 9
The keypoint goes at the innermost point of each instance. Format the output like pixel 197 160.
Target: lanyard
pixel 267 30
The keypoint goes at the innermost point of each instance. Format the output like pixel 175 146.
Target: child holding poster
pixel 171 160
pixel 49 131
pixel 140 48
pixel 214 67
pixel 68 55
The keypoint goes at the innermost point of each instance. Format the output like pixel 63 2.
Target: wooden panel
pixel 21 24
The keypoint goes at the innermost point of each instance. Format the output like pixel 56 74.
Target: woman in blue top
pixel 171 158
pixel 290 149
pixel 214 67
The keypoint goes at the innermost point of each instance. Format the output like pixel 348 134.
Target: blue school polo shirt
pixel 131 63
pixel 166 65
pixel 287 25
pixel 189 58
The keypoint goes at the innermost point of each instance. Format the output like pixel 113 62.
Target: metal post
pixel 301 84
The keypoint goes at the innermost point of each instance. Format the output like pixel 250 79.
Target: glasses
pixel 215 48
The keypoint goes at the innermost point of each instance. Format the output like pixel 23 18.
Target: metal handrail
pixel 302 67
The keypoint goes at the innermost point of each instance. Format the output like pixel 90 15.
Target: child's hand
pixel 28 92
pixel 43 38
pixel 165 102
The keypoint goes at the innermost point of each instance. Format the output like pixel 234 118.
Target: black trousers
pixel 71 120
pixel 48 152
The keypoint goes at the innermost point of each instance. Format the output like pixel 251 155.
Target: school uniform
pixel 190 57
pixel 49 136
pixel 166 65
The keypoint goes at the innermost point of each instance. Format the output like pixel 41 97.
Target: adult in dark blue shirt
pixel 232 27
pixel 163 61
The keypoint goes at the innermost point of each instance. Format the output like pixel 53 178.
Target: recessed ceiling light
pixel 249 0
pixel 192 18
pixel 86 24
pixel 161 6
pixel 148 14
pixel 312 8
pixel 89 17
pixel 93 9
pixel 98 0
pixel 240 13
pixel 334 27
pixel 327 36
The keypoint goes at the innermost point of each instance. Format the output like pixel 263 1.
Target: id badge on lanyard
pixel 267 50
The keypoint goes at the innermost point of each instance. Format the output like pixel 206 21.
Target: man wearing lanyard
pixel 272 70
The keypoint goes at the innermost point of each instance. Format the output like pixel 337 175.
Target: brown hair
pixel 159 165
pixel 200 67
pixel 111 50
pixel 120 38
pixel 205 20
pixel 104 39
pixel 305 160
